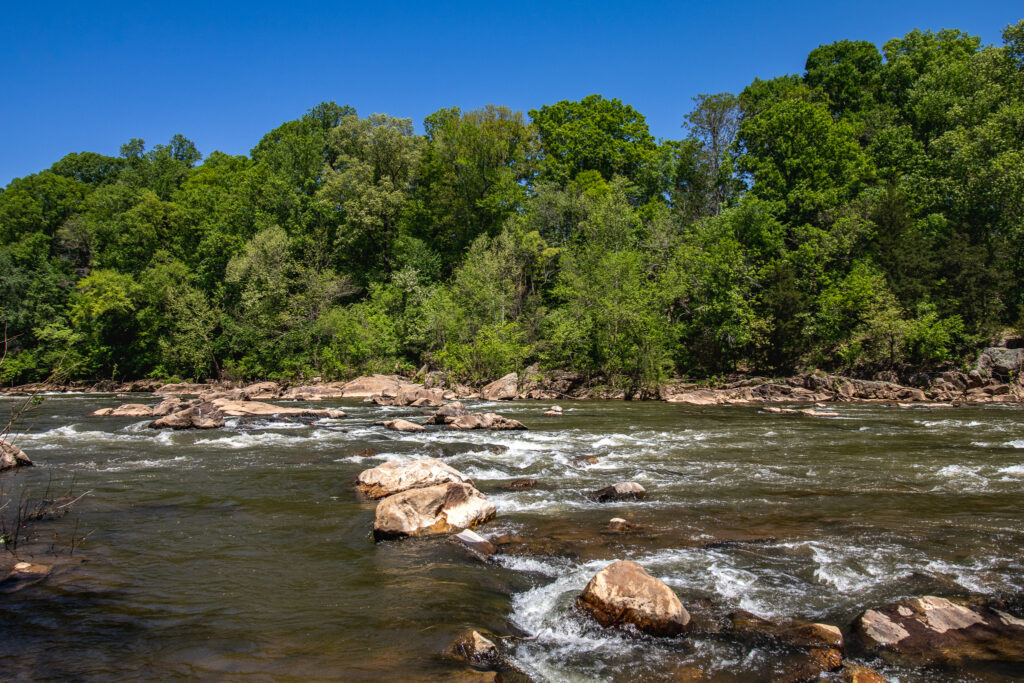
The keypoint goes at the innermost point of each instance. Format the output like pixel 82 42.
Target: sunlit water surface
pixel 244 551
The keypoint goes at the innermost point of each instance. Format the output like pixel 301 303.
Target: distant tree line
pixel 866 214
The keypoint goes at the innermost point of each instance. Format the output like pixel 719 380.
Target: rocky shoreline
pixel 996 378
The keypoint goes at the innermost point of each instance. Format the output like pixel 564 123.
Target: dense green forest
pixel 866 214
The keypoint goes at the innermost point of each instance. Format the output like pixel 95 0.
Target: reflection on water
pixel 243 551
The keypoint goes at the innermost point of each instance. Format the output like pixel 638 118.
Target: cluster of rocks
pixel 455 416
pixel 996 377
pixel 422 497
pixel 925 631
pixel 209 412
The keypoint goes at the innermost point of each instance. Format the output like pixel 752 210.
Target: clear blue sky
pixel 89 76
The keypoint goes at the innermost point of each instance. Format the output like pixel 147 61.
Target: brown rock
pixel 431 510
pixel 167 406
pixel 404 426
pixel 126 410
pixel 933 630
pixel 395 477
pixel 808 666
pixel 375 385
pixel 797 633
pixel 624 593
pixel 476 651
pixel 258 408
pixel 181 389
pixel 23 575
pixel 504 389
pixel 628 490
pixel 484 421
pixel 199 415
pixel 851 673
pixel 448 413
pixel 476 543
pixel 11 456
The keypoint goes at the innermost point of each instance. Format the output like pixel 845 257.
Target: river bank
pixel 995 378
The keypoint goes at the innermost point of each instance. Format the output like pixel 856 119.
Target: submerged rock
pixel 553 411
pixel 400 425
pixel 852 673
pixel 624 593
pixel 23 575
pixel 11 456
pixel 431 510
pixel 395 477
pixel 485 421
pixel 504 389
pixel 797 633
pixel 477 651
pixel 521 485
pixel 617 525
pixel 805 667
pixel 476 543
pixel 933 630
pixel 628 490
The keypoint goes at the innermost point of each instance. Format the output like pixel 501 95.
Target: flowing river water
pixel 244 552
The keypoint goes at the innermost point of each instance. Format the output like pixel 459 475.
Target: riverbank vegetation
pixel 865 214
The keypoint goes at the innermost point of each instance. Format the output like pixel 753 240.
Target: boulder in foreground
pixel 11 456
pixel 484 421
pixel 624 593
pixel 396 477
pixel 933 630
pixel 431 510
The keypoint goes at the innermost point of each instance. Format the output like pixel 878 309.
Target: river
pixel 243 552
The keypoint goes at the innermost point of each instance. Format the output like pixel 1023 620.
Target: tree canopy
pixel 864 215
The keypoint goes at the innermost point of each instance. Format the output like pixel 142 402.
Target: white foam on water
pixel 248 440
pixel 1016 443
pixel 130 465
pixel 959 472
pixel 1013 470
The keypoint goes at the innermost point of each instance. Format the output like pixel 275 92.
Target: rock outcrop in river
pixel 934 630
pixel 484 421
pixel 431 510
pixel 624 593
pixel 11 456
pixel 195 415
pixel 396 477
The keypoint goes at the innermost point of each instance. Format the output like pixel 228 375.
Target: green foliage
pixel 593 134
pixel 866 214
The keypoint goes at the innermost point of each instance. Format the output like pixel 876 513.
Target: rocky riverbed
pixel 787 538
